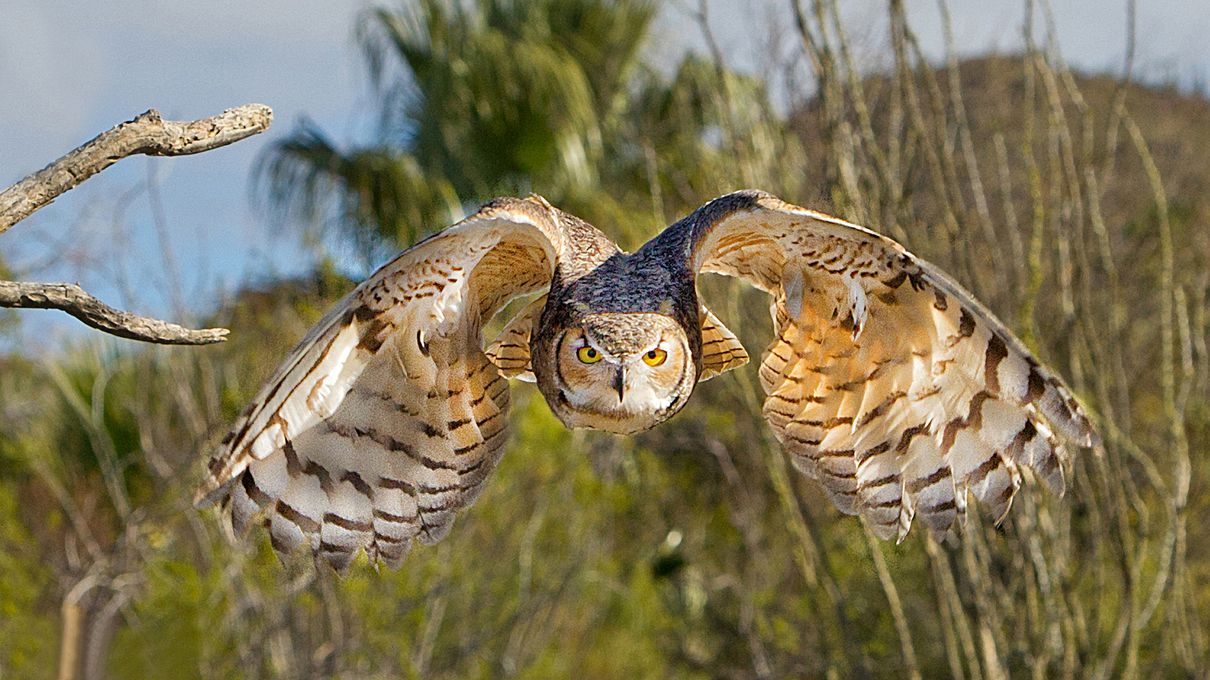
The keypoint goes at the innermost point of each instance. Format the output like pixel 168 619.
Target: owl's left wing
pixel 887 381
pixel 388 417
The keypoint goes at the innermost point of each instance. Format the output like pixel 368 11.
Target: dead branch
pixel 146 134
pixel 74 300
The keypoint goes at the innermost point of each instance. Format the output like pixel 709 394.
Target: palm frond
pixel 367 194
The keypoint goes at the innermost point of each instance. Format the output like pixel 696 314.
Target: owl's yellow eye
pixel 588 355
pixel 655 357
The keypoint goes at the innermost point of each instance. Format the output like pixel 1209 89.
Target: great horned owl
pixel 887 382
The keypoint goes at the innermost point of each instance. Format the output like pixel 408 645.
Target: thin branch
pixel 146 134
pixel 70 298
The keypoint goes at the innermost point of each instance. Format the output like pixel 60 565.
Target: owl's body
pixel 886 382
pixel 623 306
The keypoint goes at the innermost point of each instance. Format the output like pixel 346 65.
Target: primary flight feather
pixel 886 381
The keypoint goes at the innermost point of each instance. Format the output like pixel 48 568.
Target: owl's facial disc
pixel 622 372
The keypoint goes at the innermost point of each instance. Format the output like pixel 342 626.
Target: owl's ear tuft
pixel 721 350
pixel 510 350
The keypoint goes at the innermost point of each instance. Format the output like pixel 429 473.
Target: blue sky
pixel 69 70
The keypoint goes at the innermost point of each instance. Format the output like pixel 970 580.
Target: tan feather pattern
pixel 721 350
pixel 887 382
pixel 510 350
pixel 388 417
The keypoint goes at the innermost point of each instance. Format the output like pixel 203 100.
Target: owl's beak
pixel 619 382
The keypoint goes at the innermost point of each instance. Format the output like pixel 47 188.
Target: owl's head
pixel 620 372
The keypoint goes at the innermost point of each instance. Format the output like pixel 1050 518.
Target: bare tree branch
pixel 74 300
pixel 146 134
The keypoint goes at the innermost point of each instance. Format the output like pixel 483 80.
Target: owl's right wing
pixel 388 417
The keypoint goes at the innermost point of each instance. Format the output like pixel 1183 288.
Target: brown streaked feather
pixel 388 417
pixel 721 350
pixel 510 350
pixel 887 382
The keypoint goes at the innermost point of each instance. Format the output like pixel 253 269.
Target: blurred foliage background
pixel 1075 206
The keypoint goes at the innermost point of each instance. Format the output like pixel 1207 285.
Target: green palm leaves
pixel 477 99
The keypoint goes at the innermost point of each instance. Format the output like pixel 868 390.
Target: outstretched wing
pixel 388 417
pixel 887 381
